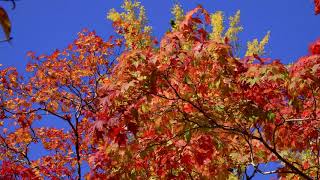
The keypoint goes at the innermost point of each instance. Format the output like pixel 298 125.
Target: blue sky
pixel 43 26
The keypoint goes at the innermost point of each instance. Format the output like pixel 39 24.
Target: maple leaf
pixel 5 23
pixel 190 20
pixel 99 125
pixel 188 108
pixel 317 6
pixel 314 48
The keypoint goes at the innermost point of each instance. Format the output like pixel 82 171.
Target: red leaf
pixel 114 132
pixel 203 34
pixel 189 19
pixel 186 159
pixel 226 40
pixel 188 108
pixel 314 48
pixel 317 6
pixel 196 20
pixel 306 165
pixel 258 58
pixel 121 139
pixel 99 125
pixel 133 127
pixel 261 60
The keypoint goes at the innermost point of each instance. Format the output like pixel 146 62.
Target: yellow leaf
pixel 217 26
pixel 53 106
pixel 256 47
pixel 178 14
pixel 234 27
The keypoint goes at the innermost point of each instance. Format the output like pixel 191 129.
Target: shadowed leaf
pixel 5 23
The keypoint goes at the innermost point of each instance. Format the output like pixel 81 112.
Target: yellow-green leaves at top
pixel 178 15
pixel 234 27
pixel 5 23
pixel 217 34
pixel 217 26
pixel 217 22
pixel 131 24
pixel 255 47
pixel 113 15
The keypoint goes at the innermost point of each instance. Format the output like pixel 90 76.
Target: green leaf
pixel 187 79
pixel 261 154
pixel 253 118
pixel 271 115
pixel 253 81
pixel 211 85
pixel 219 108
pixel 145 108
pixel 187 136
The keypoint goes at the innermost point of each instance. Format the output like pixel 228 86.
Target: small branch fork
pixel 256 166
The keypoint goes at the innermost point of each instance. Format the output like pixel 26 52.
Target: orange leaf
pixel 5 23
pixel 188 108
pixel 189 19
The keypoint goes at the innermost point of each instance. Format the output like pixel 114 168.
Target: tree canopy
pixel 185 107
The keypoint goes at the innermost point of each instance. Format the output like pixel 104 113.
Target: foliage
pixel 63 85
pixel 186 108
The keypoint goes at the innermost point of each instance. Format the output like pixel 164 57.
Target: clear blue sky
pixel 43 26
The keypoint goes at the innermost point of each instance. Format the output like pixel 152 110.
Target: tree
pixel 186 107
pixel 62 85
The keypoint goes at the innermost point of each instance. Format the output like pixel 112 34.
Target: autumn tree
pixel 61 85
pixel 186 107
